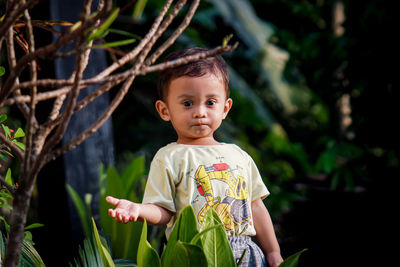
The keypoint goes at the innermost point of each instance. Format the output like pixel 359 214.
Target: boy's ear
pixel 227 107
pixel 162 110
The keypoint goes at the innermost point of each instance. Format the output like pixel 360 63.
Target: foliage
pixel 124 238
pixel 29 256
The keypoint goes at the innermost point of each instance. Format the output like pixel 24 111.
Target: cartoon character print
pixel 233 209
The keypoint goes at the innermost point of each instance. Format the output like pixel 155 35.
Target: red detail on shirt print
pixel 220 167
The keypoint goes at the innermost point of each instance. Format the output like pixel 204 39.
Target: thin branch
pixel 175 35
pixel 79 139
pixel 12 13
pixel 43 52
pixel 12 62
pixel 81 63
pixel 32 108
pixel 133 54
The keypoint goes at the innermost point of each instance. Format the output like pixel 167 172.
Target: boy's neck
pixel 198 141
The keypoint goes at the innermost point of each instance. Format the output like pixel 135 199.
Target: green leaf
pixel 139 7
pixel 2 70
pixel 8 177
pixel 6 225
pixel 114 44
pixel 3 117
pixel 33 226
pixel 215 242
pixel 185 230
pixel 292 260
pixel 19 144
pixel 8 153
pixel 147 256
pixel 100 30
pixel 188 255
pixel 105 255
pixel 124 237
pixel 81 209
pixel 125 33
pixel 4 158
pixel 19 133
pixel 31 255
pixel 131 176
pixel 6 131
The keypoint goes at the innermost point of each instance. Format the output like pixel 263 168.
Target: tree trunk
pixel 18 219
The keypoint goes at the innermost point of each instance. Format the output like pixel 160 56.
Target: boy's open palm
pixel 124 211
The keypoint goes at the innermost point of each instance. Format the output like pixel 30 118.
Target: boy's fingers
pixel 111 212
pixel 112 200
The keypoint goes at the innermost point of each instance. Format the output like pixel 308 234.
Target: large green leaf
pixel 81 209
pixel 185 230
pixel 124 237
pixel 215 242
pixel 147 256
pixel 292 260
pixel 104 253
pixel 131 176
pixel 188 255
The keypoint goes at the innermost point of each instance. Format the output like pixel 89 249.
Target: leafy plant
pixel 124 238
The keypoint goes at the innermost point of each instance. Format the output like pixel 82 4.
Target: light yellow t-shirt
pixel 222 177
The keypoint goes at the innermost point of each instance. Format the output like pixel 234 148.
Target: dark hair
pixel 215 65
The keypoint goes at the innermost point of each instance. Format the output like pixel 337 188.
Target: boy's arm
pixel 126 211
pixel 265 233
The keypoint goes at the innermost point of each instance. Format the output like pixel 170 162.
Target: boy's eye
pixel 187 103
pixel 211 102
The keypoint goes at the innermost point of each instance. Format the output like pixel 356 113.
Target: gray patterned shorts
pixel 253 257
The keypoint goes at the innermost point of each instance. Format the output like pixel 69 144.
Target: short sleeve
pixel 258 188
pixel 160 186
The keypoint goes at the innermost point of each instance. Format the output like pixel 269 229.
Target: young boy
pixel 200 171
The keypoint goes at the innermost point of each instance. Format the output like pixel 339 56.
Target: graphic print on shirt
pixel 233 208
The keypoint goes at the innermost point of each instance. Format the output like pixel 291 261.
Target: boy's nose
pixel 199 112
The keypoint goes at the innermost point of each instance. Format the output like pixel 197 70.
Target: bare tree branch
pixel 32 108
pixel 14 148
pixel 43 52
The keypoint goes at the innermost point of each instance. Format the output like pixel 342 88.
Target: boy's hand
pixel 274 259
pixel 124 211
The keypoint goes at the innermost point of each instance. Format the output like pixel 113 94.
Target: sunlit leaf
pixel 139 7
pixel 8 177
pixel 6 130
pixel 114 44
pixel 147 255
pixel 19 144
pixel 2 71
pixel 103 27
pixel 33 226
pixel 19 133
pixel 185 229
pixel 215 242
pixel 105 255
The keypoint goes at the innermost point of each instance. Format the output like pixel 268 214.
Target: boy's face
pixel 196 107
